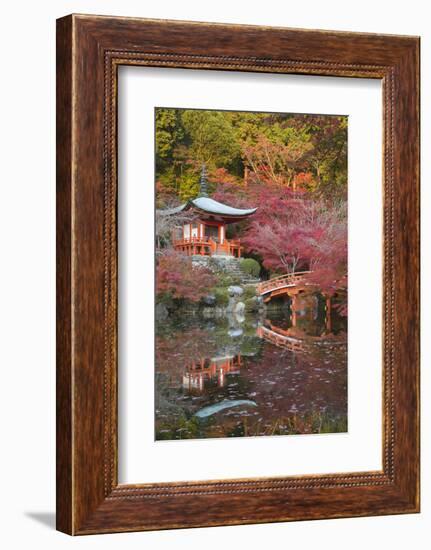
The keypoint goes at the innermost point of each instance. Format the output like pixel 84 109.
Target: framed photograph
pixel 237 274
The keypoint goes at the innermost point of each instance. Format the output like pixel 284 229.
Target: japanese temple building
pixel 206 235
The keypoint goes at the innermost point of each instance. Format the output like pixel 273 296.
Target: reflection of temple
pixel 206 235
pixel 214 369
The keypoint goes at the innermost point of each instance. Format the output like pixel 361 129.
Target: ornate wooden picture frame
pixel 89 51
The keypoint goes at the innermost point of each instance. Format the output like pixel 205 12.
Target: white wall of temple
pixel 186 231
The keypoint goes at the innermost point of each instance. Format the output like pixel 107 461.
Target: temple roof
pixel 209 206
pixel 215 207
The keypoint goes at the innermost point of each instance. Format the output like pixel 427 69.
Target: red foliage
pixel 290 232
pixel 165 195
pixel 303 180
pixel 222 176
pixel 266 197
pixel 177 277
pixel 274 162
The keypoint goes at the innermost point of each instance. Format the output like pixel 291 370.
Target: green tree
pixel 169 133
pixel 328 160
pixel 188 185
pixel 210 138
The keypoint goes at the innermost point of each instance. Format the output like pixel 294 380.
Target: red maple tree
pixel 177 277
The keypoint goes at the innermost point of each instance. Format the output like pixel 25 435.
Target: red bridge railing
pixel 299 344
pixel 288 280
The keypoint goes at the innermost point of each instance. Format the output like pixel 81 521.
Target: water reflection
pixel 277 374
pixel 206 371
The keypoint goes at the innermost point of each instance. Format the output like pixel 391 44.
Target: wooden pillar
pixel 293 307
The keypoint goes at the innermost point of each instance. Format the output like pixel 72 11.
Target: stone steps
pixel 226 264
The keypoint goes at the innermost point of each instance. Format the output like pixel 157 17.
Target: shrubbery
pixel 249 292
pixel 250 266
pixel 251 304
pixel 222 296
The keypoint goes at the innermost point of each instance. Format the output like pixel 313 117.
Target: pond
pixel 276 373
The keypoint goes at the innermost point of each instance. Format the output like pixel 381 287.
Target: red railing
pixel 291 344
pixel 206 246
pixel 298 344
pixel 288 280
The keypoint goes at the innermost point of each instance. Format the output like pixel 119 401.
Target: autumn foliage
pixel 179 279
pixel 292 167
pixel 294 150
pixel 293 232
